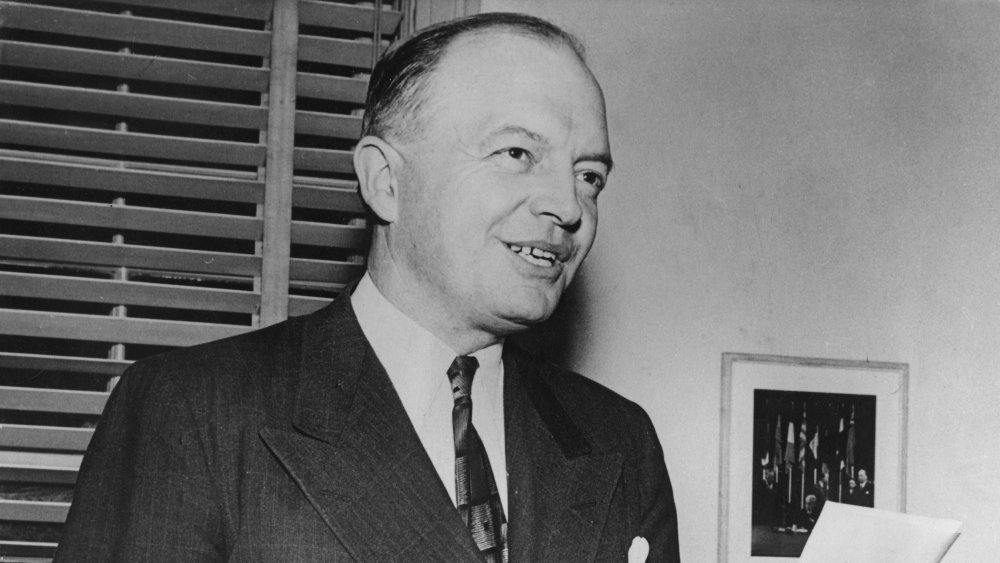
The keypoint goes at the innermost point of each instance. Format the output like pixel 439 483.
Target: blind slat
pixel 346 16
pixel 132 256
pixel 321 14
pixel 129 217
pixel 130 144
pixel 338 236
pixel 323 160
pixel 136 165
pixel 141 106
pixel 37 475
pixel 135 30
pixel 327 87
pixel 51 400
pixel 254 10
pixel 133 66
pixel 125 330
pixel 339 199
pixel 327 124
pixel 73 364
pixel 302 269
pixel 23 436
pixel 127 293
pixel 121 180
pixel 342 52
pixel 33 511
pixel 33 552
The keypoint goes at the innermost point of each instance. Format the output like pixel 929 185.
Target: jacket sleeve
pixel 657 515
pixel 144 491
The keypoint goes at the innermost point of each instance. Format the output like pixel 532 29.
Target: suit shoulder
pixel 226 370
pixel 253 341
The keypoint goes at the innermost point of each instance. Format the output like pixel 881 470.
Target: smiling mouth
pixel 535 256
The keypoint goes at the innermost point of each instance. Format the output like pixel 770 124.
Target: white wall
pixel 810 178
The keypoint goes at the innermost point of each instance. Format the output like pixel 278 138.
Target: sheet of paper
pixel 846 533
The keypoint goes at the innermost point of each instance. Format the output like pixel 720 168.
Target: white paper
pixel 854 534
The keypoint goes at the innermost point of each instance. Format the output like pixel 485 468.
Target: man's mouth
pixel 534 255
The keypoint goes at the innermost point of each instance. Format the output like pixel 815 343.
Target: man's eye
pixel 517 153
pixel 515 159
pixel 592 178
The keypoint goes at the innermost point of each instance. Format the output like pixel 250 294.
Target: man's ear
pixel 377 165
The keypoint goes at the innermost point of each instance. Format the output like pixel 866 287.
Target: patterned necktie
pixel 475 490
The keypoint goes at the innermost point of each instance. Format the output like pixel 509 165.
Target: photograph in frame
pixel 798 433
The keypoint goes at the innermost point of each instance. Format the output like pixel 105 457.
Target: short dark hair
pixel 396 89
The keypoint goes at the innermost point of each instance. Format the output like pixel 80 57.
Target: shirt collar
pixel 407 350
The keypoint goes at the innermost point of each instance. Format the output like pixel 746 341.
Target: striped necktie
pixel 475 490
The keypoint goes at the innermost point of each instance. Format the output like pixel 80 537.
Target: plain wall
pixel 806 178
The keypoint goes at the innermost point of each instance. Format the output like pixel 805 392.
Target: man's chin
pixel 521 320
pixel 516 309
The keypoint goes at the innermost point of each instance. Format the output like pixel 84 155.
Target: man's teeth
pixel 534 255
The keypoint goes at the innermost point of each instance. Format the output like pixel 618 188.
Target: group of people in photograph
pixel 798 514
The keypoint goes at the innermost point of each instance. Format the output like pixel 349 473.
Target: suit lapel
pixel 355 454
pixel 559 497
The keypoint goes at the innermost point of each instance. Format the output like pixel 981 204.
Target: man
pixel 864 494
pixel 822 492
pixel 850 497
pixel 765 499
pixel 806 519
pixel 345 435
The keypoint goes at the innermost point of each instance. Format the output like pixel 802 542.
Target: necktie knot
pixel 461 372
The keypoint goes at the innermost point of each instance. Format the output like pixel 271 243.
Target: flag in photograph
pixel 803 440
pixel 790 446
pixel 849 450
pixel 777 442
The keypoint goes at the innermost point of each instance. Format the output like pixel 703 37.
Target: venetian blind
pixel 171 172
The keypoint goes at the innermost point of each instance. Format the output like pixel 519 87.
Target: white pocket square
pixel 639 550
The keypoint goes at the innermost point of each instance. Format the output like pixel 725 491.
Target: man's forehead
pixel 494 75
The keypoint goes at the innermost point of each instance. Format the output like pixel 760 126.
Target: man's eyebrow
pixel 518 130
pixel 602 157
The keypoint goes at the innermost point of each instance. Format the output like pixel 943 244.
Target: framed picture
pixel 798 433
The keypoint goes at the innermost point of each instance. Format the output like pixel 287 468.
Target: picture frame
pixel 779 465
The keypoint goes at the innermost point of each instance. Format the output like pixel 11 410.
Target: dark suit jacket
pixel 290 444
pixel 865 496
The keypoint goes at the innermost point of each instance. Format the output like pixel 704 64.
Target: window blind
pixel 171 172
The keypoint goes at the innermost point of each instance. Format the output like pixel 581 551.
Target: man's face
pixel 862 476
pixel 498 192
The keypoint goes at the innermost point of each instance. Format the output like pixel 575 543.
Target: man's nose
pixel 557 199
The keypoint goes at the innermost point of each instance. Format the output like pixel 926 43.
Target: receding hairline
pixel 422 97
pixel 568 42
pixel 554 39
pixel 411 98
pixel 530 27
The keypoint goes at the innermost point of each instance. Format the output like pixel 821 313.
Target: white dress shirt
pixel 417 363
